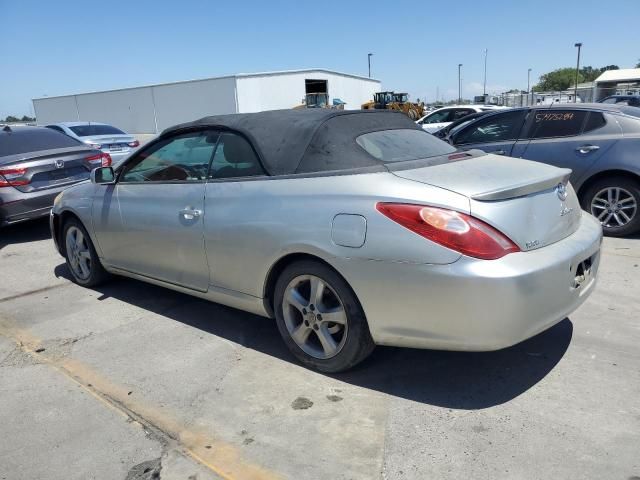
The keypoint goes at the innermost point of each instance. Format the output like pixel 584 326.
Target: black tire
pixel 629 185
pixel 97 273
pixel 358 343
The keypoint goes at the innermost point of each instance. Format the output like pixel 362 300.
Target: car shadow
pixel 457 380
pixel 25 232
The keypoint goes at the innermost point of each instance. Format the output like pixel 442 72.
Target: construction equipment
pixel 395 101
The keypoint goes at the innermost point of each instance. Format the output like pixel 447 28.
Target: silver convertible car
pixel 350 228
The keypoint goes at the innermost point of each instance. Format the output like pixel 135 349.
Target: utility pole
pixel 528 84
pixel 484 89
pixel 575 93
pixel 369 55
pixel 459 84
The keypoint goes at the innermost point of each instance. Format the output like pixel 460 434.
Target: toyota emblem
pixel 561 190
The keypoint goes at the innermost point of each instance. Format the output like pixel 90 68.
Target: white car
pixel 100 136
pixel 438 119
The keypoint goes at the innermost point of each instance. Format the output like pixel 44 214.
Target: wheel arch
pixel 584 187
pixel 278 267
pixel 59 219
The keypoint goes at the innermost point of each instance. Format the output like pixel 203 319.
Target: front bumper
pixel 476 305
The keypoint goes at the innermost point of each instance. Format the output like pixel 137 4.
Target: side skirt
pixel 223 296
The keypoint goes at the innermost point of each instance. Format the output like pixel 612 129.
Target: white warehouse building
pixel 152 108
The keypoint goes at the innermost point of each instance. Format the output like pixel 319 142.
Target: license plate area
pixel 116 148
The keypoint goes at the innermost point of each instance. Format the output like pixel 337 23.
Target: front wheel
pixel 320 318
pixel 81 256
pixel 615 202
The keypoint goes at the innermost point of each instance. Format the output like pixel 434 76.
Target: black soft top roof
pixel 306 140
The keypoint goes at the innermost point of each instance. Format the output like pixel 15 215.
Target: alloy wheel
pixel 315 316
pixel 78 253
pixel 614 207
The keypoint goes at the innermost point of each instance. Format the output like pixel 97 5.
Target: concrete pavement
pixel 134 381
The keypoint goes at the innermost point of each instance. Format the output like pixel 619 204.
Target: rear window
pixel 91 130
pixel 401 145
pixel 23 140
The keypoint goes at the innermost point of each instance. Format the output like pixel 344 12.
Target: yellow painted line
pixel 223 459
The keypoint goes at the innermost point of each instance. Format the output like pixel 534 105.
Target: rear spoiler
pixel 527 188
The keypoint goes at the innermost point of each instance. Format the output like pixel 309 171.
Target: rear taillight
pixel 134 144
pixel 454 230
pixel 99 160
pixel 13 177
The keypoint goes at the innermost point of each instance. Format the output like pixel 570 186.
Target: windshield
pixel 402 145
pixel 92 130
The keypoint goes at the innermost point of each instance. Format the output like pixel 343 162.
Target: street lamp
pixel 459 85
pixel 575 93
pixel 529 83
pixel 369 55
pixel 484 88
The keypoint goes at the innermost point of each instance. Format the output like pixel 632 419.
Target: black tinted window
pixel 595 120
pixel 184 158
pixel 557 123
pixel 25 139
pixel 234 157
pixel 403 144
pixel 494 128
pixel 90 130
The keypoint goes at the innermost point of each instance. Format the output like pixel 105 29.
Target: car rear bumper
pixel 16 206
pixel 476 305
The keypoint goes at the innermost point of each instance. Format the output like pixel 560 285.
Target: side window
pixel 595 121
pixel 56 128
pixel 234 158
pixel 438 117
pixel 556 122
pixel 184 158
pixel 494 128
pixel 458 114
pixel 610 100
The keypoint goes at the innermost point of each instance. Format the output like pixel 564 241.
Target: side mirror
pixel 103 176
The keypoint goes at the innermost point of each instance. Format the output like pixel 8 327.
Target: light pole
pixel 459 85
pixel 484 88
pixel 575 93
pixel 529 83
pixel 369 55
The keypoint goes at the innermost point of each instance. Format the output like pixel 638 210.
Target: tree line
pixel 25 118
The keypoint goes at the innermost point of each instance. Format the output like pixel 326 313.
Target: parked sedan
pixel 100 136
pixel 438 119
pixel 598 142
pixel 350 228
pixel 35 165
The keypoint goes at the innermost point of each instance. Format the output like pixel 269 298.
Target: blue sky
pixel 60 47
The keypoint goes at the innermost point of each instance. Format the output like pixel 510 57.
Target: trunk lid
pixel 45 169
pixel 111 143
pixel 532 203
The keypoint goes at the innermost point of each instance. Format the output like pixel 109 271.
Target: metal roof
pixel 235 76
pixel 621 75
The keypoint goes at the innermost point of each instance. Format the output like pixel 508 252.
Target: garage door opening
pixel 315 86
pixel 316 94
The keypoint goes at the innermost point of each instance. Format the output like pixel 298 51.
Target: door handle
pixel 587 148
pixel 500 152
pixel 190 213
